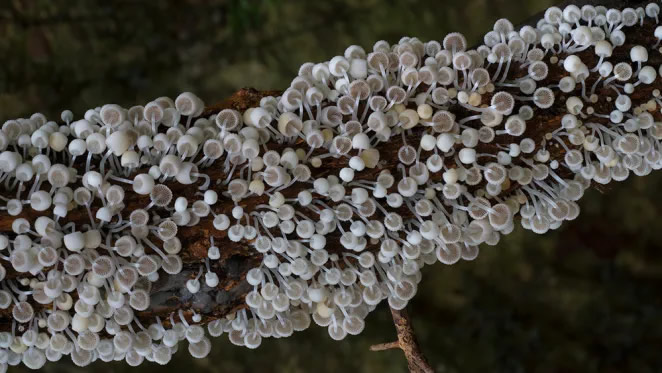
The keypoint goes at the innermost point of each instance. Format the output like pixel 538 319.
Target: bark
pixel 407 342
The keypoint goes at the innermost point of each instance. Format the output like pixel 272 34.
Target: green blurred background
pixel 583 299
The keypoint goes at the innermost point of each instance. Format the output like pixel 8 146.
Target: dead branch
pixel 406 342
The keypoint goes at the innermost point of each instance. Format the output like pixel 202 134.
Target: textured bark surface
pixel 407 342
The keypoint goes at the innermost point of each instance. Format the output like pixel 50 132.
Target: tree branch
pixel 406 342
pixel 238 258
pixel 169 295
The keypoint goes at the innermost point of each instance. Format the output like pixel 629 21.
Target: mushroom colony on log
pixel 130 230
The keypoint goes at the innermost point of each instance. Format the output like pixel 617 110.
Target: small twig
pixel 406 342
pixel 385 346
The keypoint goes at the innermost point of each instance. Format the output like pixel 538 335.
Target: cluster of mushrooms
pixel 368 167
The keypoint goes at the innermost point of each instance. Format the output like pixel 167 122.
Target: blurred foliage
pixel 583 299
pixel 78 54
